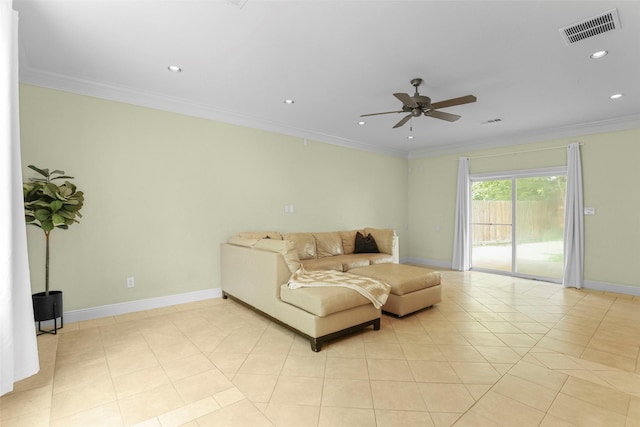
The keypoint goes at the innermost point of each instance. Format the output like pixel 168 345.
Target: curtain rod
pixel 520 152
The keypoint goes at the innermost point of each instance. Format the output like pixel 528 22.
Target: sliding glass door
pixel 517 223
pixel 492 225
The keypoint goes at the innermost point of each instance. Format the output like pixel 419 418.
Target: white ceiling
pixel 339 59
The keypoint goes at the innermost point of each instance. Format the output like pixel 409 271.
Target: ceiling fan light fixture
pixel 599 54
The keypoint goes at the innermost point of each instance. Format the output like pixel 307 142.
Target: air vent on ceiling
pixel 603 23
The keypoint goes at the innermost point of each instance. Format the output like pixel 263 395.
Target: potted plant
pixel 48 206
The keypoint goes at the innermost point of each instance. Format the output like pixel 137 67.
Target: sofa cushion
pixel 344 262
pixel 365 244
pixel 305 244
pixel 260 235
pixel 380 259
pixel 355 261
pixel 403 279
pixel 326 263
pixel 383 237
pixel 348 240
pixel 322 301
pixel 328 244
pixel 284 247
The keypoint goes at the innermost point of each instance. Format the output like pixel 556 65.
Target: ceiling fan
pixel 418 105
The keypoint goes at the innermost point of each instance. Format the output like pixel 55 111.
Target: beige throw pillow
pixel 284 247
pixel 383 237
pixel 305 244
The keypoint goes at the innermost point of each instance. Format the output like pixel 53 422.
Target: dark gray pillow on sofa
pixel 365 245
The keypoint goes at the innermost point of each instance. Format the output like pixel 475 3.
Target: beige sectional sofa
pixel 256 267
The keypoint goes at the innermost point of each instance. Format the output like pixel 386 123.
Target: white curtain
pixel 18 345
pixel 573 220
pixel 461 248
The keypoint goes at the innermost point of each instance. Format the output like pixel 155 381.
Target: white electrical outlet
pixel 131 282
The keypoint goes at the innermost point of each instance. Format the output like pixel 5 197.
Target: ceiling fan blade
pixel 404 120
pixel 377 114
pixel 454 101
pixel 406 99
pixel 442 115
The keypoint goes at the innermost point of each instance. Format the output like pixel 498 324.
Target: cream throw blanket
pixel 376 291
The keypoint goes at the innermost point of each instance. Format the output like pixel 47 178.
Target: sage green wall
pixel 610 181
pixel 162 190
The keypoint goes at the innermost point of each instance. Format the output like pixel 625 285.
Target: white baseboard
pixel 612 287
pixel 426 262
pixel 140 305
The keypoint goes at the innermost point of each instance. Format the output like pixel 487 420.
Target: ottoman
pixel 412 288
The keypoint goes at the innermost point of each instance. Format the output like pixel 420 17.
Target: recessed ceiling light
pixel 599 54
pixel 616 96
pixel 362 123
pixel 410 137
pixel 289 101
pixel 174 69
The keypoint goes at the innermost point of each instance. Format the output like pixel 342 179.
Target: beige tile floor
pixel 497 351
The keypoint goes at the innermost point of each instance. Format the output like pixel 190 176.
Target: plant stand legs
pixel 53 331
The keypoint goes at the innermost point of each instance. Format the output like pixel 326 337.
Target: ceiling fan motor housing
pixel 423 101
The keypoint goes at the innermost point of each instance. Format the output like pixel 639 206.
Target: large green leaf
pixel 69 185
pixel 43 172
pixel 64 191
pixel 56 205
pixel 67 214
pixel 43 215
pixel 46 225
pixel 41 203
pixel 50 190
pixel 58 219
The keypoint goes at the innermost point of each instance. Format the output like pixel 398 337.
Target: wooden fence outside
pixel 537 221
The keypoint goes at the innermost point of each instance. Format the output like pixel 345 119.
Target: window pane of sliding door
pixel 491 225
pixel 540 226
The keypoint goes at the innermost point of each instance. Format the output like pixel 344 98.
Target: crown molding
pixel 161 102
pixel 602 126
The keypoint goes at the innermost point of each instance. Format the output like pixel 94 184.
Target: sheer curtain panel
pixel 573 221
pixel 18 345
pixel 461 259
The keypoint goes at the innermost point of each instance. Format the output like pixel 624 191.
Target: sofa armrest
pixel 253 275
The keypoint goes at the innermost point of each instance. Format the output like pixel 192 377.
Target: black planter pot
pixel 48 307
